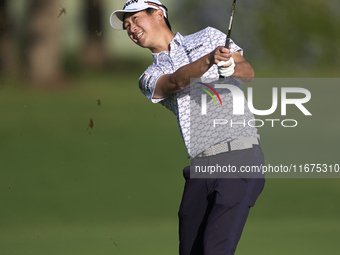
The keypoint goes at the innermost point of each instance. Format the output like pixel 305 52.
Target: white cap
pixel 116 18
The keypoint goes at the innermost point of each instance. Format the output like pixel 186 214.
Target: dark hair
pixel 149 11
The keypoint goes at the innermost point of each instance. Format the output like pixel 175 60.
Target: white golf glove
pixel 226 71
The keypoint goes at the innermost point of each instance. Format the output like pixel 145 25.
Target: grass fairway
pixel 115 189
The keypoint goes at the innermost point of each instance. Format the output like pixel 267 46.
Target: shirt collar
pixel 174 44
pixel 178 40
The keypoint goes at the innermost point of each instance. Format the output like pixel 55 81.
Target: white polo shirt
pixel 184 50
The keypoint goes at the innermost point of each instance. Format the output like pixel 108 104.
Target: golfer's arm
pixel 243 70
pixel 171 83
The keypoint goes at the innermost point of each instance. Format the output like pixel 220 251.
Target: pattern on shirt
pixel 184 50
pixel 203 132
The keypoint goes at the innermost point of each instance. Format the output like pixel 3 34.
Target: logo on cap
pixel 129 3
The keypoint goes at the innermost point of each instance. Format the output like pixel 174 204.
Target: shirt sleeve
pixel 147 82
pixel 218 39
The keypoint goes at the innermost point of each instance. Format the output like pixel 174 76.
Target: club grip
pixel 227 43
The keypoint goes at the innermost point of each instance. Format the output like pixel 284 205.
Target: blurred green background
pixel 115 188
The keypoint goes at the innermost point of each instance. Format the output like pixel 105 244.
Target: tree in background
pixel 44 55
pixel 94 54
pixel 274 34
pixel 8 50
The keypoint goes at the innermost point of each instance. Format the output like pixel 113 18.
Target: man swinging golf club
pixel 213 211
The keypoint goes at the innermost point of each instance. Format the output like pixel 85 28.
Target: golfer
pixel 213 211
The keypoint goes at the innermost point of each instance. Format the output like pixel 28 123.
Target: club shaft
pixel 227 41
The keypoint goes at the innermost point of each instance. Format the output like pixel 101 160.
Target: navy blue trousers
pixel 213 211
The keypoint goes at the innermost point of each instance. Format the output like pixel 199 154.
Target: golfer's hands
pixel 221 56
pixel 226 68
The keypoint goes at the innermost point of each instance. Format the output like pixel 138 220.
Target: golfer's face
pixel 139 26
